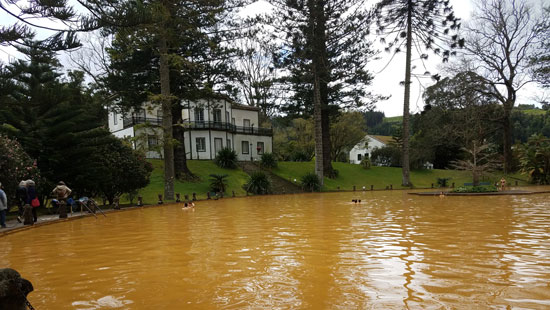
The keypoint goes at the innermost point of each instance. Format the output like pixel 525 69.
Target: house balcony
pixel 135 120
pixel 205 125
pixel 210 125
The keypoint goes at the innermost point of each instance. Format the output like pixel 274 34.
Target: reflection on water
pixel 319 251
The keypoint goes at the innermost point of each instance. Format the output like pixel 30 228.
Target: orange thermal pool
pixel 311 251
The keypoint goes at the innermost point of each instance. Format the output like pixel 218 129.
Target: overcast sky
pixel 387 80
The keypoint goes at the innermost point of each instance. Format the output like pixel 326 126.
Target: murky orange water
pixel 319 251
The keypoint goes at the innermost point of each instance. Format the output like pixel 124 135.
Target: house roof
pixel 384 139
pixel 243 107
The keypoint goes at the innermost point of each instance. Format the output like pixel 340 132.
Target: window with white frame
pixel 245 147
pixel 217 115
pixel 260 148
pixel 115 118
pixel 201 144
pixel 246 123
pixel 152 141
pixel 199 115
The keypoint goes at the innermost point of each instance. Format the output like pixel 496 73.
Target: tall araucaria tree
pixel 27 15
pixel 422 24
pixel 162 26
pixel 324 47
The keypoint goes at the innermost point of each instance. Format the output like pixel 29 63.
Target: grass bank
pixel 380 177
pixel 349 175
pixel 236 179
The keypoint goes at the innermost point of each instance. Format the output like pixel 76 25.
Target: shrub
pixel 218 182
pixel 310 182
pixel 475 189
pixel 299 156
pixel 365 163
pixel 268 161
pixel 15 165
pixel 258 183
pixel 226 158
pixel 442 182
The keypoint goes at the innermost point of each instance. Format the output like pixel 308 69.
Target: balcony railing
pixel 229 127
pixel 206 125
pixel 135 120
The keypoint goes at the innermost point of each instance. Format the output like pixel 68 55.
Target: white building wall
pixel 188 114
pixel 360 149
pixel 241 115
pixel 115 121
pixel 124 133
pixel 253 152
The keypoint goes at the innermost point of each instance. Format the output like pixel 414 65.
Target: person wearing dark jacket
pixel 31 194
pixel 21 198
pixel 3 207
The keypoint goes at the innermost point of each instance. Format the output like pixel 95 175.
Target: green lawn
pixel 380 177
pixel 349 175
pixel 393 119
pixel 534 111
pixel 237 178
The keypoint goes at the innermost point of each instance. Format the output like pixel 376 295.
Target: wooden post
pixel 116 201
pixel 354 188
pixel 233 193
pixel 178 197
pixel 372 187
pixel 208 195
pixel 160 199
pixel 194 196
pixel 140 201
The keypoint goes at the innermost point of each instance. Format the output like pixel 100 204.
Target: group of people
pixel 26 194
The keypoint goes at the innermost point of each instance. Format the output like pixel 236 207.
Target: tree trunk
pixel 320 88
pixel 166 105
pixel 317 116
pixel 327 146
pixel 407 97
pixel 180 156
pixel 507 140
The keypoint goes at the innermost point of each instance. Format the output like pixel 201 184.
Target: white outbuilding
pixel 366 146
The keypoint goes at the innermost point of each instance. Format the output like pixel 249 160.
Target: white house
pixel 359 151
pixel 209 125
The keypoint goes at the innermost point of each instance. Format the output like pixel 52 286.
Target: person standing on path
pixel 31 195
pixel 3 207
pixel 21 199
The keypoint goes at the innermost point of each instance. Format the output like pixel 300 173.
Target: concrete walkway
pixel 501 193
pixel 42 219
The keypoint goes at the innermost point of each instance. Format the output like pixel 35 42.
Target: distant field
pixel 393 119
pixel 534 111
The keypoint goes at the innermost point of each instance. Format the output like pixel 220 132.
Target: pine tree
pixel 28 12
pixel 324 47
pixel 164 27
pixel 414 23
pixel 56 122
